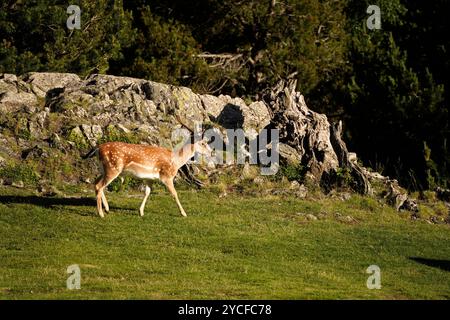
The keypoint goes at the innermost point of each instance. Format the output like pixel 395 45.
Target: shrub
pixel 127 183
pixel 21 129
pixel 113 134
pixel 76 136
pixel 291 172
pixel 20 172
pixel 344 177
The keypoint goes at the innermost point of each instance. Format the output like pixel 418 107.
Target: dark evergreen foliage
pixel 390 86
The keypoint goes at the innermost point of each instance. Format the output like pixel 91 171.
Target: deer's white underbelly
pixel 142 172
pixel 143 175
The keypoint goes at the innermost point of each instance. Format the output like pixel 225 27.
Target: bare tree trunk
pixel 187 174
pixel 319 145
pixel 361 183
pixel 302 129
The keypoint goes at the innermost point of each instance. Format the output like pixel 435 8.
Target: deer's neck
pixel 183 155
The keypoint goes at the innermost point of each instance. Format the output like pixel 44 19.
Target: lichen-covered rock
pixel 63 116
pixel 41 82
pixel 106 99
pixel 14 101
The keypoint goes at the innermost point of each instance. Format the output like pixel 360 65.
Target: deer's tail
pixel 90 154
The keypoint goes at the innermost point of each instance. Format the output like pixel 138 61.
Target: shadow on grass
pixel 436 263
pixel 49 201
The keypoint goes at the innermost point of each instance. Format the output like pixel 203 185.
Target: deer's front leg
pixel 169 184
pixel 142 207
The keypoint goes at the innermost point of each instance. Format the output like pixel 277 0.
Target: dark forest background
pixel 389 86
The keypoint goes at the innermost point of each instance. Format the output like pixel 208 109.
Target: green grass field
pixel 229 248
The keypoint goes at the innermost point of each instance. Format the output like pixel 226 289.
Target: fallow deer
pixel 145 162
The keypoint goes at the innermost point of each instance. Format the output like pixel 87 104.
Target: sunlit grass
pixel 227 248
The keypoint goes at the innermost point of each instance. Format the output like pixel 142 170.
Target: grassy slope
pixel 236 247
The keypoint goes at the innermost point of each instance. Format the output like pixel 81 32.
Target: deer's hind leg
pixel 105 202
pixel 100 186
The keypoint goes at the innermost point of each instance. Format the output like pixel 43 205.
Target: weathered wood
pixel 361 183
pixel 300 128
pixel 319 145
pixel 186 172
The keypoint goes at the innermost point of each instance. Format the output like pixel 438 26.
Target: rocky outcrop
pixel 53 118
pixel 86 107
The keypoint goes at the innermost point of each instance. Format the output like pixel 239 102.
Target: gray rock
pixel 345 196
pixel 302 192
pixel 8 77
pixel 295 184
pixel 96 133
pixel 30 108
pixel 259 180
pixel 41 117
pixel 18 184
pixel 13 101
pixel 35 130
pixel 299 190
pixel 123 128
pixel 346 219
pixel 311 217
pixel 41 82
pixel 87 131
